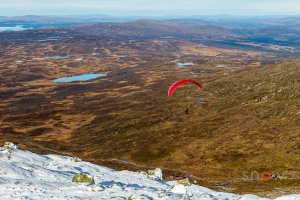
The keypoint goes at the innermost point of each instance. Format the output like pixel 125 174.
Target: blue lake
pixel 96 54
pixel 58 57
pixel 83 77
pixel 185 64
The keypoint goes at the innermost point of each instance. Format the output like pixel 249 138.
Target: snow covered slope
pixel 25 175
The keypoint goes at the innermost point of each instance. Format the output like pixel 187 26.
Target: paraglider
pixel 179 83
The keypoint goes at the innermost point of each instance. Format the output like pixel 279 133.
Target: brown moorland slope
pixel 126 120
pixel 250 125
pixel 252 120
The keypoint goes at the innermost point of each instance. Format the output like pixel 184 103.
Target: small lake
pixel 221 65
pixel 185 64
pixel 83 77
pixel 58 57
pixel 47 40
pixel 95 54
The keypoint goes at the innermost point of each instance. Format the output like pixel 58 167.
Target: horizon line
pixel 166 15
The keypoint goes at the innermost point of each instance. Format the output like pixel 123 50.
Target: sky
pixel 149 7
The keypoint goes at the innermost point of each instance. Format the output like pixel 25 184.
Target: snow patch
pixel 12 28
pixel 26 175
pixel 178 189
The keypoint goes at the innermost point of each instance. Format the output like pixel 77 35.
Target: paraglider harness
pixel 187 111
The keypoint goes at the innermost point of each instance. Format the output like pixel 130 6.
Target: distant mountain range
pixel 36 21
pixel 155 29
pixel 258 35
pixel 33 21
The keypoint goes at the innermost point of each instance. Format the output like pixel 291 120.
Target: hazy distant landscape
pixel 124 119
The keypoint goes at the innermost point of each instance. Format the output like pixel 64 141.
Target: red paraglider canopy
pixel 177 84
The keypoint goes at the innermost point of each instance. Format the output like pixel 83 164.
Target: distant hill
pixel 35 21
pixel 154 28
pixel 218 20
pixel 293 22
pixel 63 19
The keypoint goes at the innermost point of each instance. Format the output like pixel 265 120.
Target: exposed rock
pixel 185 182
pixel 82 178
pixel 10 146
pixel 155 174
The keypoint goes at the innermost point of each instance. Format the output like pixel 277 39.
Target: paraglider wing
pixel 179 83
